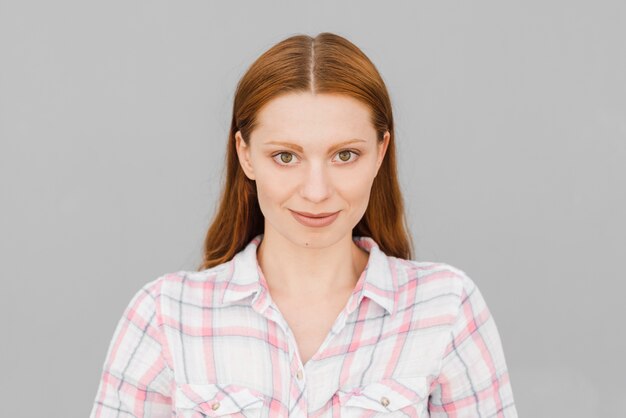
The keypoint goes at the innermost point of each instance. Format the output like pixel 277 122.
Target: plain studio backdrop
pixel 511 135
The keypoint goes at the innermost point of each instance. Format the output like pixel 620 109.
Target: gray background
pixel 511 133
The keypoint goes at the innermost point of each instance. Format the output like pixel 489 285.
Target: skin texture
pixel 299 262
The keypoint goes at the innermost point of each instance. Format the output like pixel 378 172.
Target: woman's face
pixel 316 154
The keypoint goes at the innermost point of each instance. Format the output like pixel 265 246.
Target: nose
pixel 316 185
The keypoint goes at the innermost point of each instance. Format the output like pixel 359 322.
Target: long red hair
pixel 326 63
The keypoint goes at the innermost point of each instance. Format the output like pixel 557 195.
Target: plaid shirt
pixel 415 339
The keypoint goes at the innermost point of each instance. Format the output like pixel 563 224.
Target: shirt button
pixel 215 406
pixel 384 401
pixel 299 375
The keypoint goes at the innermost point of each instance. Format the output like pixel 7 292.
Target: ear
pixel 243 152
pixel 382 149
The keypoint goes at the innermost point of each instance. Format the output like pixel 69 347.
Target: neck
pixel 307 269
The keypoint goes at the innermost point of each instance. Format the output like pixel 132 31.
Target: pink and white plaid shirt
pixel 415 339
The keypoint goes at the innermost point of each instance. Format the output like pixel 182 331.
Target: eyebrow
pixel 300 149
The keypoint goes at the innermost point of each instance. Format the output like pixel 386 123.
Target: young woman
pixel 308 302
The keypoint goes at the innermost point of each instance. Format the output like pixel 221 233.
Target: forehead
pixel 305 116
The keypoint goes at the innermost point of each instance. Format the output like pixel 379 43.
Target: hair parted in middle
pixel 325 64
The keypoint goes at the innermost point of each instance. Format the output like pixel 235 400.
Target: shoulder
pixel 431 283
pixel 433 273
pixel 185 286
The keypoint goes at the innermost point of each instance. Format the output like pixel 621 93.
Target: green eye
pixel 286 157
pixel 345 155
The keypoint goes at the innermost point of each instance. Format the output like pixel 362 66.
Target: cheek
pixel 271 192
pixel 356 190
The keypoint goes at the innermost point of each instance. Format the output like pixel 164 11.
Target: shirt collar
pixel 378 283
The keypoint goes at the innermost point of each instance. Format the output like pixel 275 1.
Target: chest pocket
pixel 217 400
pixel 386 398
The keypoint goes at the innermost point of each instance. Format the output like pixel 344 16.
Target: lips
pixel 315 215
pixel 315 220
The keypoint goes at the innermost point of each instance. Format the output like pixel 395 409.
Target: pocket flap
pixel 386 395
pixel 217 399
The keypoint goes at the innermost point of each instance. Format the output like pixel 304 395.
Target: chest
pixel 310 322
pixel 373 352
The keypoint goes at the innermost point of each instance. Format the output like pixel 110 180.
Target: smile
pixel 316 221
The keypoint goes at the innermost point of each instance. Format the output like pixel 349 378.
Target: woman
pixel 307 302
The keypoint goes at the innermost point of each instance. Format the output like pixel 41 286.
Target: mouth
pixel 315 220
pixel 315 215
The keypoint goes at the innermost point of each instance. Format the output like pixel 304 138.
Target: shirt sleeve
pixel 473 379
pixel 135 379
